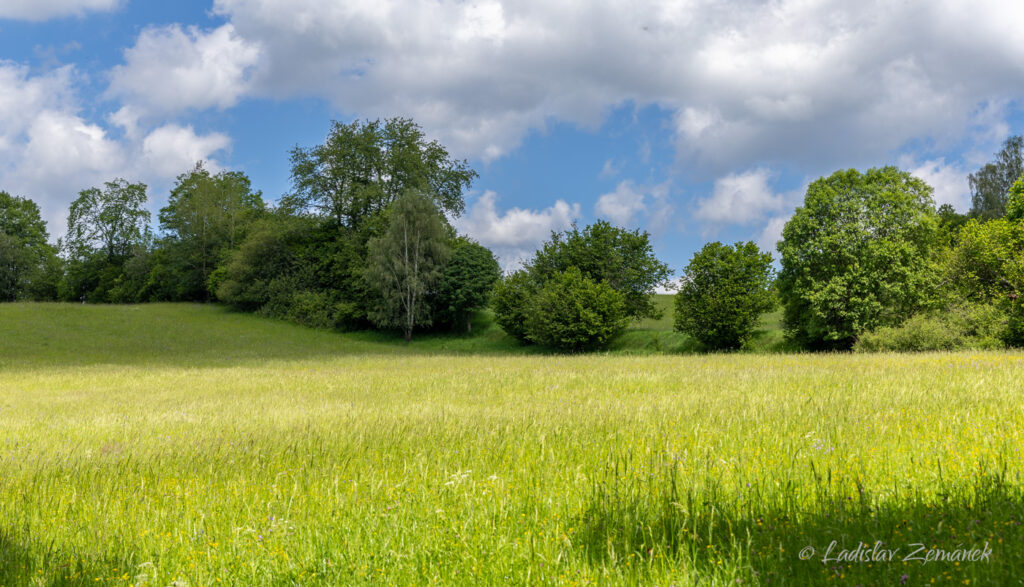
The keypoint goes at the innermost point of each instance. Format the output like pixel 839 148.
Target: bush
pixel 724 292
pixel 965 326
pixel 572 313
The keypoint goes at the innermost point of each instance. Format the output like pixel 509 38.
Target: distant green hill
pixel 209 334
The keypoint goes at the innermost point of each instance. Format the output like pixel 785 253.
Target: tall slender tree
pixel 990 185
pixel 406 262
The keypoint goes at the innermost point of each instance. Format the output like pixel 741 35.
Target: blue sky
pixel 695 120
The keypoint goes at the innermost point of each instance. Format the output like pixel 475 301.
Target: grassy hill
pixel 188 445
pixel 206 334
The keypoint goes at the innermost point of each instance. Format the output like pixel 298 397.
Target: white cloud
pixel 772 234
pixel 48 152
pixel 171 69
pixel 949 181
pixel 610 169
pixel 37 10
pixel 740 198
pixel 172 149
pixel 633 206
pixel 621 206
pixel 515 234
pixel 820 83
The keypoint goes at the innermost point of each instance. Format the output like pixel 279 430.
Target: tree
pixel 363 167
pixel 112 220
pixel 987 266
pixel 862 252
pixel 466 283
pixel 1015 201
pixel 512 295
pixel 206 215
pixel 574 313
pixel 624 260
pixel 28 263
pixel 406 262
pixel 991 183
pixel 725 289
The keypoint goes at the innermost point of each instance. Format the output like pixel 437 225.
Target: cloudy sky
pixel 695 120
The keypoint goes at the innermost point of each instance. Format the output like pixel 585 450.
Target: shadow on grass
pixel 34 565
pixel 842 533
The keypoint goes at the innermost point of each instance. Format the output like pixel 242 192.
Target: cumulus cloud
pixel 48 152
pixel 948 180
pixel 37 10
pixel 171 69
pixel 818 83
pixel 740 198
pixel 515 234
pixel 772 234
pixel 171 149
pixel 632 205
pixel 621 206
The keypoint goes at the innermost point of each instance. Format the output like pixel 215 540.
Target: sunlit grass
pixel 183 443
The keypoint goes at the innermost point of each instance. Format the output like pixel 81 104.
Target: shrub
pixel 961 327
pixel 572 313
pixel 724 292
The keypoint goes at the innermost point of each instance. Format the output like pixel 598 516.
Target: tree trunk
pixel 469 323
pixel 408 335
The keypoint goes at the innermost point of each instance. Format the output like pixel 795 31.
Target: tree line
pixel 364 240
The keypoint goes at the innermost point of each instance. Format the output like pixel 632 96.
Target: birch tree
pixel 406 262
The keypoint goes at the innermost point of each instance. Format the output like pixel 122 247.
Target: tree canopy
pixel 724 291
pixel 406 262
pixel 859 254
pixel 990 185
pixel 363 167
pixel 622 259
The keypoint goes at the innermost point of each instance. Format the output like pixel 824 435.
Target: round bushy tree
pixel 859 254
pixel 573 313
pixel 511 295
pixel 725 289
pixel 466 283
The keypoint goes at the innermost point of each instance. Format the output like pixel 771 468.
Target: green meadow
pixel 177 444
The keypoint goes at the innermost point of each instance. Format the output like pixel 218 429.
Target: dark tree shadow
pixel 33 564
pixel 846 534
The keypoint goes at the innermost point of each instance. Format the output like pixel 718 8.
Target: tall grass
pixel 166 444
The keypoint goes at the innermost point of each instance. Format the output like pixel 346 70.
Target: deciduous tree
pixel 406 262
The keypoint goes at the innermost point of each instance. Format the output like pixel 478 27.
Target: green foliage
pixel 364 166
pixel 950 223
pixel 621 259
pixel 253 275
pixel 466 283
pixel 112 220
pixel 205 217
pixel 991 184
pixel 571 312
pixel 1015 201
pixel 105 229
pixel 512 295
pixel 406 262
pixel 725 289
pixel 961 327
pixel 29 268
pixel 861 253
pixel 987 264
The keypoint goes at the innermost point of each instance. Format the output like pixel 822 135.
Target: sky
pixel 694 120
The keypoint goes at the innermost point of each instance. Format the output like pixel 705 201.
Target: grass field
pixel 183 444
